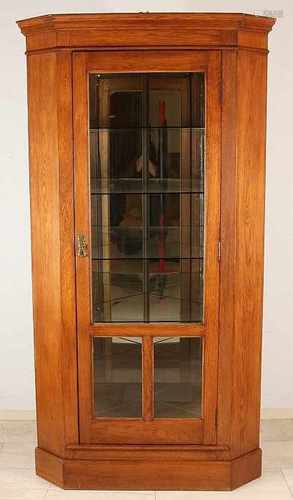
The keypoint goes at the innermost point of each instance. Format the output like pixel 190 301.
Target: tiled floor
pixel 19 482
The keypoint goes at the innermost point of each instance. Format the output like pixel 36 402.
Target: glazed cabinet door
pixel 147 183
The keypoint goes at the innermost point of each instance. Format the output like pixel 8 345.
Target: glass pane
pixel 169 100
pixel 175 225
pixel 175 290
pixel 116 161
pixel 175 160
pixel 116 101
pixel 117 230
pixel 147 150
pixel 178 377
pixel 118 290
pixel 198 100
pixel 117 376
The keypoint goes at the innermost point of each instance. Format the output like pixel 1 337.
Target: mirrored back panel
pixel 147 142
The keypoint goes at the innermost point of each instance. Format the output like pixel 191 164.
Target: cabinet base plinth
pixel 148 474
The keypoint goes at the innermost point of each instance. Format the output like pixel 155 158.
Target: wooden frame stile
pixel 199 430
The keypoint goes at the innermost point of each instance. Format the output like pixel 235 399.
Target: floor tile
pixel 1 432
pixel 277 430
pixel 18 480
pixel 288 475
pixel 18 494
pixel 147 495
pixel 21 484
pixel 21 456
pixel 277 454
pixel 12 431
pixel 271 486
pixel 98 495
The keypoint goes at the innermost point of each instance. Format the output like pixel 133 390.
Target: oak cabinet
pixel 147 152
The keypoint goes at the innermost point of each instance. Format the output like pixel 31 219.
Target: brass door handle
pixel 82 246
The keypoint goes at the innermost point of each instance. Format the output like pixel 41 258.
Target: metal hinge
pixel 81 245
pixel 219 250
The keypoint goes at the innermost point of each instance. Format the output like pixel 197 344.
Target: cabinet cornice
pixel 145 29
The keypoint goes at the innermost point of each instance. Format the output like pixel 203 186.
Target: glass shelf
pixel 146 258
pixel 147 127
pixel 136 186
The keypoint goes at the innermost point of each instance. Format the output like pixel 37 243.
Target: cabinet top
pixel 197 20
pixel 145 29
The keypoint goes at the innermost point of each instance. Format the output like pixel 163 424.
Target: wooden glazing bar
pixel 147 378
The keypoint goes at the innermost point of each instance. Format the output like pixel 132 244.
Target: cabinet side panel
pixel 44 189
pixel 251 124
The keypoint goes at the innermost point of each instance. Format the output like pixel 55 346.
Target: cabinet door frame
pixel 145 430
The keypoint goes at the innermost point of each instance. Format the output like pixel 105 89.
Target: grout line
pixel 287 484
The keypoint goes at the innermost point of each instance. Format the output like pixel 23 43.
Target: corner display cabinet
pixel 147 169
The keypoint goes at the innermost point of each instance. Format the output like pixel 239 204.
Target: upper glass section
pixel 147 134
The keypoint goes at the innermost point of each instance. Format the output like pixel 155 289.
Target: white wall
pixel 16 346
